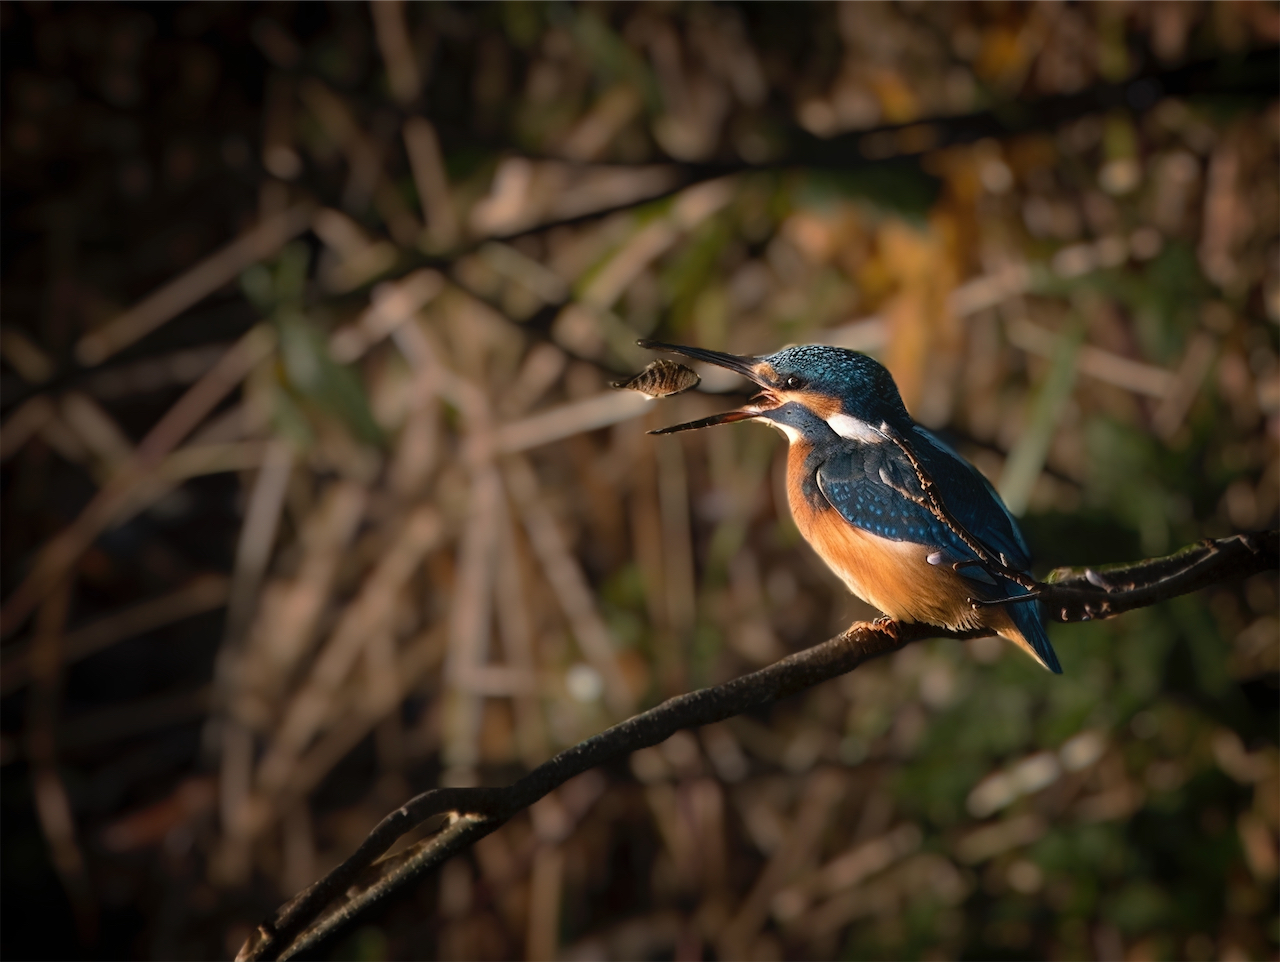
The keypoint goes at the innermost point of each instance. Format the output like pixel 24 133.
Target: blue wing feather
pixel 865 483
pixel 972 499
pixel 872 486
pixel 869 484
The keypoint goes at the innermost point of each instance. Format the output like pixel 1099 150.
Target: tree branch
pixel 324 909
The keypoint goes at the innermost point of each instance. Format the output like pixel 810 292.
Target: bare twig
pixel 316 914
pixel 1071 595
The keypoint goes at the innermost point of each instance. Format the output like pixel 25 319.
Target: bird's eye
pixel 793 383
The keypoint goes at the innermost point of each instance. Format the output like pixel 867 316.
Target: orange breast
pixel 894 576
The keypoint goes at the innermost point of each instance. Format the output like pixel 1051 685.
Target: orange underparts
pixel 894 576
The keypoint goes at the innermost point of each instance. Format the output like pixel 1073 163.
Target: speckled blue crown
pixel 839 372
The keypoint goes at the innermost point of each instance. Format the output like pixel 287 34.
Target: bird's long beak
pixel 746 366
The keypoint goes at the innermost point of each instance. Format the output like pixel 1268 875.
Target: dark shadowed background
pixel 316 495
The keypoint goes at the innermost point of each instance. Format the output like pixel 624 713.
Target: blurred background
pixel 316 495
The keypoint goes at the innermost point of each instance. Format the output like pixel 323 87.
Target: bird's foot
pixel 887 625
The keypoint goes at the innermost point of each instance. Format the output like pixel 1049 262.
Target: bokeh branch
pixel 365 878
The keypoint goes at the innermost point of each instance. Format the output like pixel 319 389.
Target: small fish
pixel 661 379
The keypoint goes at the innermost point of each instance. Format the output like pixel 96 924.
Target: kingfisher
pixel 910 526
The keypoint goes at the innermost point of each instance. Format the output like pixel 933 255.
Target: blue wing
pixel 872 487
pixel 972 499
pixel 875 487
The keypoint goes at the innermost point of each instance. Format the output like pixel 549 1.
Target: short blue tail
pixel 1027 616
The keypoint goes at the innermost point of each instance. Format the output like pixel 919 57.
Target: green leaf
pixel 316 376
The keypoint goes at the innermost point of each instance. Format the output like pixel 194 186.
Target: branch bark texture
pixel 315 915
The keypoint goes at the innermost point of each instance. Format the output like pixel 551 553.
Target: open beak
pixel 746 366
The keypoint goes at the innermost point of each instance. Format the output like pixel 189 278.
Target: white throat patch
pixel 854 429
pixel 791 433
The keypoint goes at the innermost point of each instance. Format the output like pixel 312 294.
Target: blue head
pixel 809 389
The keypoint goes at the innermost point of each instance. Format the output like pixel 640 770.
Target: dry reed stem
pixel 472 602
pixel 290 610
pixel 363 160
pixel 205 592
pixel 393 304
pixel 427 164
pixel 257 536
pixel 401 224
pixel 1015 280
pixel 298 848
pixel 646 536
pixel 64 549
pixel 568 419
pixel 22 354
pixel 53 807
pixel 98 432
pixel 691 208
pixel 255 676
pixel 423 354
pixel 195 460
pixel 545 889
pixel 421 654
pixel 253 551
pixel 58 436
pixel 1135 376
pixel 279 156
pixel 677 538
pixel 363 619
pixel 515 628
pixel 24 424
pixel 366 180
pixel 1197 361
pixel 182 292
pixel 470 614
pixel 605 190
pixel 823 790
pixel 569 583
pixel 791 906
pixel 530 274
pixel 594 131
pixel 392 33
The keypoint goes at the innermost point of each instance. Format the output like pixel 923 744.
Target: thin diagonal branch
pixel 493 806
pixel 318 913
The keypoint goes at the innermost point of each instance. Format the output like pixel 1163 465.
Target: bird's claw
pixel 887 625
